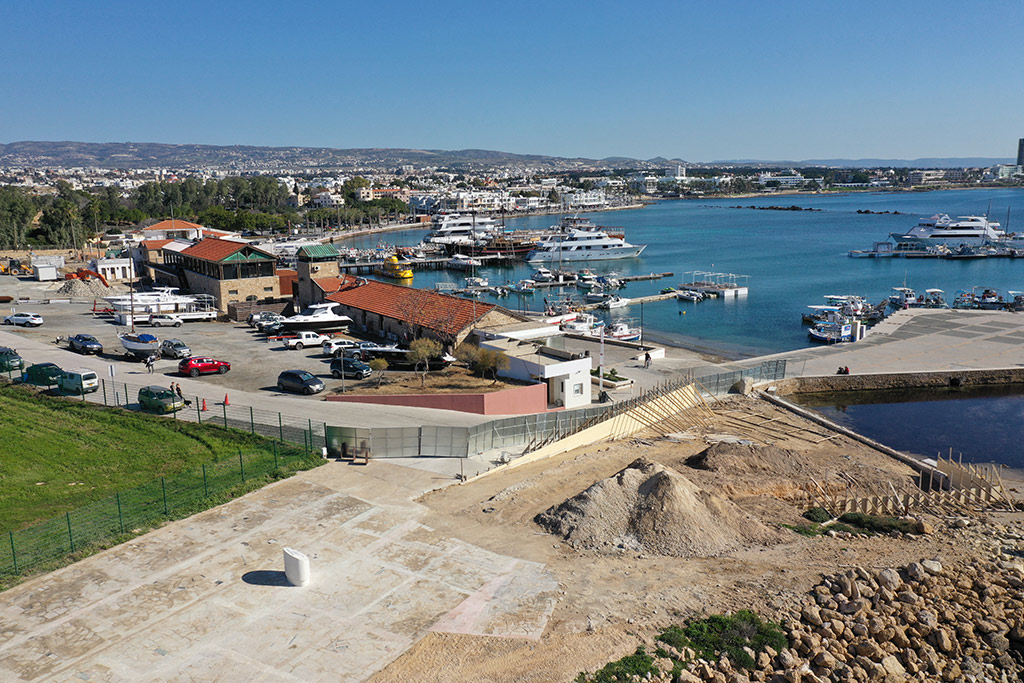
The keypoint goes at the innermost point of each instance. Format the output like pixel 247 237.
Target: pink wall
pixel 517 401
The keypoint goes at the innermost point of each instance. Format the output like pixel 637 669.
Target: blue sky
pixel 695 80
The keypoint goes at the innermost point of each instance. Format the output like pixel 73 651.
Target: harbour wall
pixel 898 380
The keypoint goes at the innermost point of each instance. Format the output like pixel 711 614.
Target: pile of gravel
pixel 650 508
pixel 83 288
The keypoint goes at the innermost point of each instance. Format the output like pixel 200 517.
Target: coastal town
pixel 668 344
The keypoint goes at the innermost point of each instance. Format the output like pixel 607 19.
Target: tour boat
pixel 395 269
pixel 941 229
pixel 454 228
pixel 583 244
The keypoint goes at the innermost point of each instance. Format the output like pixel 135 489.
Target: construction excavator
pixel 85 275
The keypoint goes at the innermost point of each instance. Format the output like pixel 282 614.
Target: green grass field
pixel 57 454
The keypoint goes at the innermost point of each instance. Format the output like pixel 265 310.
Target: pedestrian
pixel 647 359
pixel 177 390
pixel 149 364
pixel 846 370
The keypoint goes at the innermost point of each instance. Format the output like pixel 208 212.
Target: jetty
pixel 620 278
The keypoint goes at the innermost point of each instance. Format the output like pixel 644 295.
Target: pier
pixel 624 278
pixel 635 301
pixel 723 285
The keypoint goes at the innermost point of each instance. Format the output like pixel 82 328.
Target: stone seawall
pixel 898 380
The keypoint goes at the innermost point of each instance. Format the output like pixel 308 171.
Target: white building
pixel 580 200
pixel 324 200
pixel 791 179
pixel 566 374
pixel 114 269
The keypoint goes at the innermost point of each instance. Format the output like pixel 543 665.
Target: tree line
pixel 68 218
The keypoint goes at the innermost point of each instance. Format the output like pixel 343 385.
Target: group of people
pixel 176 388
pixel 843 370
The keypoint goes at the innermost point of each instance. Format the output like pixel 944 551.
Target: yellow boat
pixel 395 269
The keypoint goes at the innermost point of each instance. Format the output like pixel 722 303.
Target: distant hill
pixel 135 155
pixel 927 162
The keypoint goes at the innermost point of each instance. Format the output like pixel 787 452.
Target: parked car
pixel 43 374
pixel 174 348
pixel 85 343
pixel 202 366
pixel 164 320
pixel 159 399
pixel 299 381
pixel 24 319
pixel 10 360
pixel 273 329
pixel 79 381
pixel 304 339
pixel 350 368
pixel 335 347
pixel 256 318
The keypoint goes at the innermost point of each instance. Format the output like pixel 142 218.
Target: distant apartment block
pixel 926 177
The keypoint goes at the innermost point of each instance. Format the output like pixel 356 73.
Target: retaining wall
pixel 516 401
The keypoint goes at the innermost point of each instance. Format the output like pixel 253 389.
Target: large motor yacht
pixel 585 243
pixel 454 228
pixel 940 229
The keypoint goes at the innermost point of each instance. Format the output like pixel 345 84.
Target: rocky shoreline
pixel 920 622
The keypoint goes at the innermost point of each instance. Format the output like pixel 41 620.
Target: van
pixel 80 381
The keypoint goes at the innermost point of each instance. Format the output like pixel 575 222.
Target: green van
pixel 43 374
pixel 79 381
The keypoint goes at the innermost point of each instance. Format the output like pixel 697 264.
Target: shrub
pixel 818 515
pixel 637 664
pixel 881 525
pixel 719 633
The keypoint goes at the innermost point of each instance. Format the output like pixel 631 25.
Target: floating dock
pixel 721 285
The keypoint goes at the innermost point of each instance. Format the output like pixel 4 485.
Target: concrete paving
pixel 917 340
pixel 205 598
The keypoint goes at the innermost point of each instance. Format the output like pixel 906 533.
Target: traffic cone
pixel 204 405
pixel 226 401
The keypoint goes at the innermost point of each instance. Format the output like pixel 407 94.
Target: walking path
pixel 205 598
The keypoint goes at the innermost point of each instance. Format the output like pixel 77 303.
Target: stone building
pixel 314 262
pixel 226 270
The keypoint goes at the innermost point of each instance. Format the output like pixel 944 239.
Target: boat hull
pixel 597 255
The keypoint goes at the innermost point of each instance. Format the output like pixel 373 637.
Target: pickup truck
pixel 304 339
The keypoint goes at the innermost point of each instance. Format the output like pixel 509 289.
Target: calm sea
pixel 793 260
pixel 982 423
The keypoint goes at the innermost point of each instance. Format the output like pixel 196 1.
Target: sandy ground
pixel 607 598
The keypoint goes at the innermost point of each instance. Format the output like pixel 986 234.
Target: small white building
pixel 114 269
pixel 44 272
pixel 566 374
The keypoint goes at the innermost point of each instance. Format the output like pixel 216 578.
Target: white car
pixel 335 347
pixel 26 319
pixel 160 319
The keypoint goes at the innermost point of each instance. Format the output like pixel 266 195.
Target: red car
pixel 196 366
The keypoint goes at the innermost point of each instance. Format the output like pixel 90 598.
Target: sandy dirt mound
pixel 732 458
pixel 648 507
pixel 82 288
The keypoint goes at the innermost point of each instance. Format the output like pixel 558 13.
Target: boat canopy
pixel 902 289
pixel 824 308
pixel 934 291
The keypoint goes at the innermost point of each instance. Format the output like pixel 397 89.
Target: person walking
pixel 150 360
pixel 647 359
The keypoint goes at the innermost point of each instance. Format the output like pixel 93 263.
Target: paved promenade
pixel 204 598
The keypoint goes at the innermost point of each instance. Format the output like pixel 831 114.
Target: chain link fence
pixel 132 511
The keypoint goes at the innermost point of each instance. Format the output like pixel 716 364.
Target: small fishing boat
pixel 585 279
pixel 831 332
pixel 139 345
pixel 614 302
pixel 622 332
pixel 462 262
pixel 595 295
pixel 474 281
pixel 524 287
pixel 583 324
pixel 934 298
pixel 903 297
pixel 689 295
pixel 543 275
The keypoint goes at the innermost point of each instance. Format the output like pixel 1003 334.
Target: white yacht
pixel 583 244
pixel 940 229
pixel 454 228
pixel 318 318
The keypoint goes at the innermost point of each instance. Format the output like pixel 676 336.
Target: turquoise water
pixel 793 260
pixel 982 423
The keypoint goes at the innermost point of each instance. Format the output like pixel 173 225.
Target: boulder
pixel 933 567
pixel 915 572
pixel 889 579
pixel 893 667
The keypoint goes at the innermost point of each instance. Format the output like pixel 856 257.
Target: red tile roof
pixel 213 249
pixel 174 225
pixel 155 244
pixel 439 312
pixel 330 284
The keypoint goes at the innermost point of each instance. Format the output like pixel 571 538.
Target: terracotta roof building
pixel 405 313
pixel 227 270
